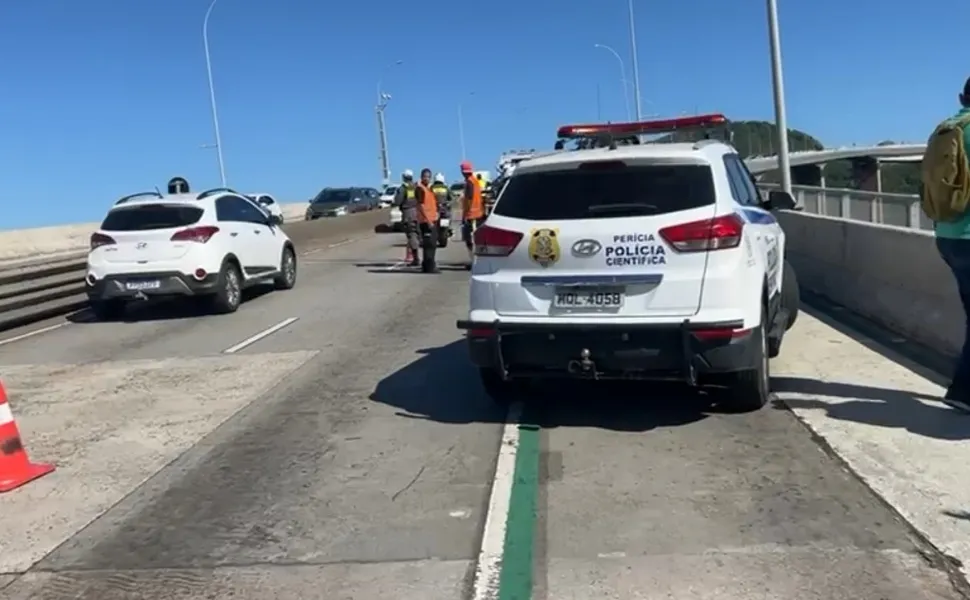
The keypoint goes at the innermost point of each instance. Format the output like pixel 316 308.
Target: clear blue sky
pixel 101 98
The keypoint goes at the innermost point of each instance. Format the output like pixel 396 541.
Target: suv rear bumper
pixel 170 283
pixel 678 351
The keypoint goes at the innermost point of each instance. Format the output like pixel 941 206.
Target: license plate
pixel 588 298
pixel 142 285
pixel 446 222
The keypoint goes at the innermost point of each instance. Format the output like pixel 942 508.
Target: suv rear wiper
pixel 623 207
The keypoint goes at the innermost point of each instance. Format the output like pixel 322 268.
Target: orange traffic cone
pixel 15 468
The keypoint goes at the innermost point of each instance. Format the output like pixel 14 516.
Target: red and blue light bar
pixel 641 127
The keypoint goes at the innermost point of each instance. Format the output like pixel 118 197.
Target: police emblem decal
pixel 544 246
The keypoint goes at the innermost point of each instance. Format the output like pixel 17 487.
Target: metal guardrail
pixel 900 210
pixel 40 290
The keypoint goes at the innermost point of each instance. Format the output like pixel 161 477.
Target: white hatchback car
pixel 210 245
pixel 268 204
pixel 645 261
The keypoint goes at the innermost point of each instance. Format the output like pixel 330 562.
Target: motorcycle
pixel 444 226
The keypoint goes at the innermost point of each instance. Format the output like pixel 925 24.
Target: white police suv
pixel 210 245
pixel 641 261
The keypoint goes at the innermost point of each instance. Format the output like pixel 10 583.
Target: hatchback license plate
pixel 588 298
pixel 143 285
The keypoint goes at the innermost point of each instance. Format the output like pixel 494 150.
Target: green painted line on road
pixel 515 580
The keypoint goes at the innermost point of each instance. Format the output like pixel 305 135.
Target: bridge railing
pixel 901 210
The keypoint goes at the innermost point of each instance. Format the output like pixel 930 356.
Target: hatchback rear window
pixel 606 190
pixel 151 216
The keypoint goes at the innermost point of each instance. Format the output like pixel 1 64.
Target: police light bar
pixel 641 127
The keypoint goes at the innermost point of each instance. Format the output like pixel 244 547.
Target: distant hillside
pixel 754 138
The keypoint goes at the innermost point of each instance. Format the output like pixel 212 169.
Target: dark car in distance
pixel 336 202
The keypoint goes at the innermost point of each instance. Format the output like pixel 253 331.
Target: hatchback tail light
pixel 195 234
pixel 492 241
pixel 100 239
pixel 710 234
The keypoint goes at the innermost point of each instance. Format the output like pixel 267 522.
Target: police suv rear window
pixel 146 217
pixel 606 190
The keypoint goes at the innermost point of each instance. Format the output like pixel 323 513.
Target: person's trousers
pixel 468 228
pixel 956 254
pixel 429 246
pixel 409 217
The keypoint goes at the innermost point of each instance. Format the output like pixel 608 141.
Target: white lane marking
pixel 329 246
pixel 262 334
pixel 342 242
pixel 488 569
pixel 24 336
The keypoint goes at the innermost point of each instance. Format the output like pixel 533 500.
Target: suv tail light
pixel 492 241
pixel 710 234
pixel 195 234
pixel 100 239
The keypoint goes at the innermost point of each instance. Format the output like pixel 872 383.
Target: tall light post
pixel 626 91
pixel 781 122
pixel 461 128
pixel 212 93
pixel 382 99
pixel 636 64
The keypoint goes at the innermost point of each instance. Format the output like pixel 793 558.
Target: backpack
pixel 945 189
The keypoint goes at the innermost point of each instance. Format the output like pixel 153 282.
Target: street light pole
pixel 382 99
pixel 636 64
pixel 781 122
pixel 212 93
pixel 461 131
pixel 461 127
pixel 626 91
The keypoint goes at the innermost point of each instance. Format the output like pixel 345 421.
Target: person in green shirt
pixel 953 242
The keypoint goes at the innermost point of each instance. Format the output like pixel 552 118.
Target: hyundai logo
pixel 586 248
pixel 141 245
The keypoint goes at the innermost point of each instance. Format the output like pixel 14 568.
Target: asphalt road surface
pixel 332 442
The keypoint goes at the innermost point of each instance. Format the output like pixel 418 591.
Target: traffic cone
pixel 15 468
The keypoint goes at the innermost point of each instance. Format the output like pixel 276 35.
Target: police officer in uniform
pixel 406 199
pixel 445 199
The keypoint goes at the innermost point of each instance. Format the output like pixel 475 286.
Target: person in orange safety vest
pixel 472 208
pixel 428 223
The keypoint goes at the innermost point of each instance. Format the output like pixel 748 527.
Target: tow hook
pixel 583 366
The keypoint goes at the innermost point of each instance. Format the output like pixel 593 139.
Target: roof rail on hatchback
pixel 154 193
pixel 215 191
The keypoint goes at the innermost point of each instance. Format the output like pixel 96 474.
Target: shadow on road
pixel 919 413
pixel 442 385
pixel 165 309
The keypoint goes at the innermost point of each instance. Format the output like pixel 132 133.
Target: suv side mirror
pixel 275 220
pixel 779 200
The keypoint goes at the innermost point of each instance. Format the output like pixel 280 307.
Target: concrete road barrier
pixel 52 285
pixel 891 275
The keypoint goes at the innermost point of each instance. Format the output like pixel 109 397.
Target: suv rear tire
pixel 287 277
pixel 749 390
pixel 228 295
pixel 108 310
pixel 789 293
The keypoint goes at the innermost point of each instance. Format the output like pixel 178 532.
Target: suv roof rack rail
pixel 153 193
pixel 214 191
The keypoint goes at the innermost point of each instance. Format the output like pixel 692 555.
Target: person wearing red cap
pixel 472 209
